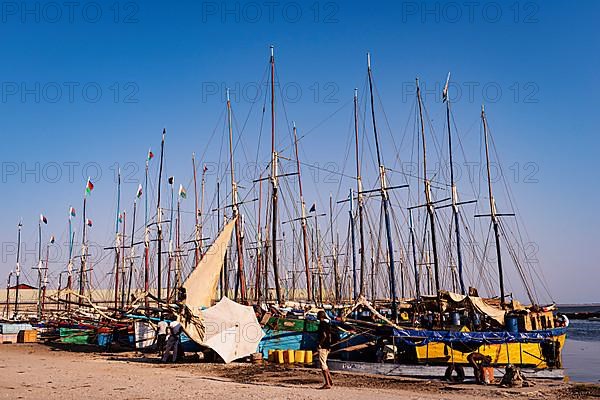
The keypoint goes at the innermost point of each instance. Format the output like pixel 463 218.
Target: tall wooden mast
pixel 132 248
pixel 353 245
pixel 454 192
pixel 82 270
pixel 384 198
pixel 274 185
pixel 197 237
pixel 159 217
pixel 493 213
pixel 241 278
pixel 170 252
pixel 123 261
pixel 146 239
pixel 18 269
pixel 257 286
pixel 70 262
pixel 117 241
pixel 39 270
pixel 428 200
pixel 334 255
pixel 303 219
pixel 360 200
pixel 414 256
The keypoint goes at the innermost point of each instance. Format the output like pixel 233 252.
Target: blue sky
pixel 89 88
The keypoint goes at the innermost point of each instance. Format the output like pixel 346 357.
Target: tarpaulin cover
pixel 419 337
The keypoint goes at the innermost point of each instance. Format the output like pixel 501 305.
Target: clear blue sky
pixel 165 64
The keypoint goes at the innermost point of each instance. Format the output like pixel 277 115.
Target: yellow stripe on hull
pixel 521 354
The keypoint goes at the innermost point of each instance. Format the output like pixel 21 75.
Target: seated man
pixel 478 361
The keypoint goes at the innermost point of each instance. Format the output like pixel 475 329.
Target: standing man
pixel 161 336
pixel 172 341
pixel 324 347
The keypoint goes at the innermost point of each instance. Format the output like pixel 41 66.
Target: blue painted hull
pixel 287 340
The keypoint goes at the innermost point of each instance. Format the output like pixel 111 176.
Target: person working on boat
pixel 161 335
pixel 324 347
pixel 172 341
pixel 478 361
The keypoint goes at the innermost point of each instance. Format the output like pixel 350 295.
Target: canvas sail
pixel 201 285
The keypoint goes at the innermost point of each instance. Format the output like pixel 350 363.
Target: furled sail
pixel 201 285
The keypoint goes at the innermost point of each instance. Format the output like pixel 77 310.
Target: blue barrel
pixel 104 339
pixel 455 318
pixel 512 323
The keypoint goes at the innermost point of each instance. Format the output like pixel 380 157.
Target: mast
pixel 318 254
pixel 18 268
pixel 196 211
pixel 274 184
pixel 454 192
pixel 238 223
pixel 117 239
pixel 39 269
pixel 303 219
pixel 353 243
pixel 202 183
pixel 177 248
pixel 82 270
pixel 359 190
pixel 414 256
pixel 131 250
pixel 171 181
pixel 429 202
pixel 334 257
pixel 493 214
pixel 70 263
pixel 123 261
pixel 146 238
pixel 384 197
pixel 159 217
pixel 223 278
pixel 258 245
pixel 8 295
pixel 45 278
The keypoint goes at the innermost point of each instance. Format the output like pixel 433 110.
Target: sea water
pixel 581 354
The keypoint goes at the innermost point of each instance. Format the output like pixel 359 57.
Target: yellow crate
pixel 27 336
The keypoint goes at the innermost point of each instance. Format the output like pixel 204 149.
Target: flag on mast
pixel 445 92
pixel 150 155
pixel 52 239
pixel 71 212
pixel 139 191
pixel 182 192
pixel 43 219
pixel 88 222
pixel 89 186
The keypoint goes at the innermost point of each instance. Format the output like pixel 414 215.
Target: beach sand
pixel 40 372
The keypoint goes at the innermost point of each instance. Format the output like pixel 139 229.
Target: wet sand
pixel 40 372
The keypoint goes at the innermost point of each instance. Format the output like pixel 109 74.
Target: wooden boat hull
pixel 540 349
pixel 288 334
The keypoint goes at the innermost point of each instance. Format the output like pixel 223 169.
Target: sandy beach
pixel 40 372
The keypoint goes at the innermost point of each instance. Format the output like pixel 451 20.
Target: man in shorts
pixel 324 347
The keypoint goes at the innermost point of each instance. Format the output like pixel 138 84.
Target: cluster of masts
pixel 267 249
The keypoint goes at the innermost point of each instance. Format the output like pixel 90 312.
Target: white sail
pixel 201 285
